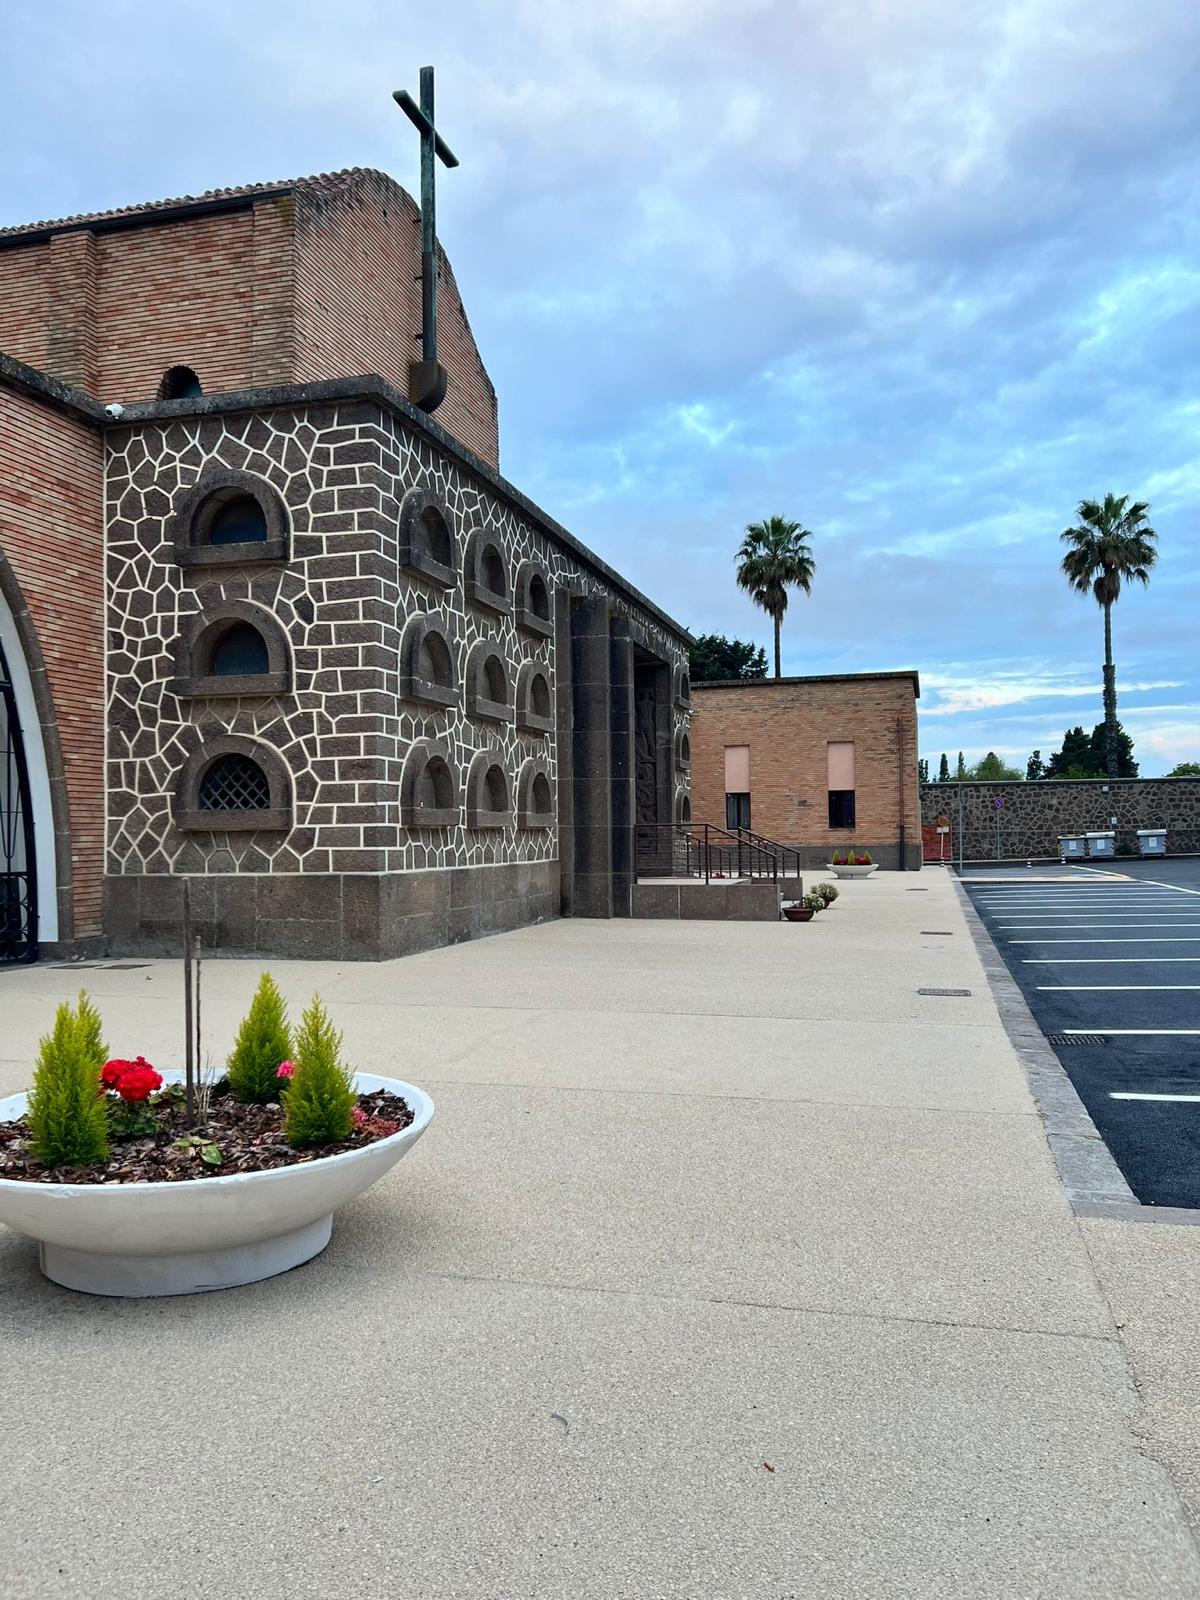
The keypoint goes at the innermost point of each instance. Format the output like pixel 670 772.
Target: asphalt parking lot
pixel 1114 951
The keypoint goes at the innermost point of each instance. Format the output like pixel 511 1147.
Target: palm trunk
pixel 777 620
pixel 1110 699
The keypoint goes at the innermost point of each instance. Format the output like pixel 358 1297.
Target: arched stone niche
pixel 535 702
pixel 485 573
pixel 489 792
pixel 489 687
pixel 233 647
pixel 233 784
pixel 683 750
pixel 427 670
pixel 535 797
pixel 683 810
pixel 230 519
pixel 427 543
pixel 534 603
pixel 429 788
pixel 683 689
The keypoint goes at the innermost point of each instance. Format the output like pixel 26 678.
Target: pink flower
pixel 287 1069
pixel 358 1116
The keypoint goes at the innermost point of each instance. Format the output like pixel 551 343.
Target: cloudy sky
pixel 918 273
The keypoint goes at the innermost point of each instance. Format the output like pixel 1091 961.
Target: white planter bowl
pixel 201 1233
pixel 852 872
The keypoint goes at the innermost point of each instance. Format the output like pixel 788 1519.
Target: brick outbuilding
pixel 818 763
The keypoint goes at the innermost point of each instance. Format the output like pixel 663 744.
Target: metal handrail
pixel 711 851
pixel 785 850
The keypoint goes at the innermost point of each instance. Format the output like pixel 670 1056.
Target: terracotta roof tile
pixel 324 181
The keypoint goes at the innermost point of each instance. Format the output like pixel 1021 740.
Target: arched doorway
pixel 18 857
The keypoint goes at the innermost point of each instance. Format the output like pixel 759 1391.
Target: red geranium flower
pixel 113 1071
pixel 139 1081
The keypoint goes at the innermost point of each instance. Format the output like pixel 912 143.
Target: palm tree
pixel 1112 541
pixel 773 557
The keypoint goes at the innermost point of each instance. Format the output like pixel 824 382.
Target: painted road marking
pixel 1184 938
pixel 1150 1033
pixel 1112 988
pixel 1105 961
pixel 1053 927
pixel 1158 882
pixel 1189 1098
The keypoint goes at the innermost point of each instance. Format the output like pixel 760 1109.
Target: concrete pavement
pixel 701 1200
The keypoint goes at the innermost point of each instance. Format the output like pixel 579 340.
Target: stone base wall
pixel 1033 815
pixel 331 916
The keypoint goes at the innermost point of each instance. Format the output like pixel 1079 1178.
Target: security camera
pixel 114 411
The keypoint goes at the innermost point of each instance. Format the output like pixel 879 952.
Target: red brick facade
pixel 290 283
pixel 51 561
pixel 788 725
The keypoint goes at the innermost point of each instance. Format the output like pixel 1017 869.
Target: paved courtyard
pixel 732 1266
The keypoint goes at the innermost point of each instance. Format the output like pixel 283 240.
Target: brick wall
pixel 358 303
pixel 50 535
pixel 1033 815
pixel 315 281
pixel 787 725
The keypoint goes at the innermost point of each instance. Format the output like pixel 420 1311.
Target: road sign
pixel 998 802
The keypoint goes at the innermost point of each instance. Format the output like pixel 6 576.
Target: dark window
pixel 493 684
pixel 737 810
pixel 539 597
pixel 179 383
pixel 539 696
pixel 841 808
pixel 239 521
pixel 435 786
pixel 543 801
pixel 235 783
pixel 437 536
pixel 495 790
pixel 240 652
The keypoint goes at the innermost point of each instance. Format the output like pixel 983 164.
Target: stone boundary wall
pixel 1035 814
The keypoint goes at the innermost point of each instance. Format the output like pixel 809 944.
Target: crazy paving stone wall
pixel 343 730
pixel 1032 816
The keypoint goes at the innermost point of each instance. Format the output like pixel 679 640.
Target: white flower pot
pixel 852 872
pixel 201 1233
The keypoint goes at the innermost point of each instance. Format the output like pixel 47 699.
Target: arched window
pixel 233 647
pixel 428 788
pixel 240 651
pixel 534 611
pixel 426 537
pixel 233 784
pixel 683 750
pixel 535 707
pixel 179 383
pixel 488 693
pixel 489 799
pixel 683 689
pixel 427 662
pixel 229 518
pixel 535 797
pixel 683 811
pixel 485 574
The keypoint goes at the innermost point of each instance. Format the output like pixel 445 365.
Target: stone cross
pixel 427 379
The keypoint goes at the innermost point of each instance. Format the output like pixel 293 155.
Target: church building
pixel 268 626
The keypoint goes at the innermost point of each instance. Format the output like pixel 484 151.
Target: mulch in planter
pixel 250 1139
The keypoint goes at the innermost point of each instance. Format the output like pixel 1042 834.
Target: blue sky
pixel 920 275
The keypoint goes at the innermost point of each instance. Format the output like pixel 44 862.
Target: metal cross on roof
pixel 427 379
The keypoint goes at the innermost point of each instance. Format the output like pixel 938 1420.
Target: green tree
pixel 318 1104
pixel 944 769
pixel 67 1116
pixel 1075 757
pixel 923 770
pixel 992 770
pixel 1111 543
pixel 772 559
pixel 960 770
pixel 1185 769
pixel 714 659
pixel 1036 768
pixel 263 1042
pixel 1126 766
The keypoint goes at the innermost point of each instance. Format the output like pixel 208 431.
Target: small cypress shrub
pixel 319 1103
pixel 262 1043
pixel 67 1116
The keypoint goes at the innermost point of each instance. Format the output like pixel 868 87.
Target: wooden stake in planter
pixel 189 1039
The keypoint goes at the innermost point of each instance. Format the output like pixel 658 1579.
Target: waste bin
pixel 1102 844
pixel 1152 841
pixel 1072 847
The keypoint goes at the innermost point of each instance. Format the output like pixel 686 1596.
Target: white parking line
pixel 1055 927
pixel 1184 938
pixel 1106 961
pixel 1150 1033
pixel 1158 882
pixel 1189 1098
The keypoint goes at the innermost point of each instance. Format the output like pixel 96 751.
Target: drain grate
pixel 1060 1039
pixel 921 890
pixel 963 993
pixel 936 933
